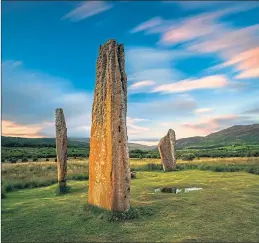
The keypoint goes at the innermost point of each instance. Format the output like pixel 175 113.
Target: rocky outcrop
pixel 109 170
pixel 61 148
pixel 167 151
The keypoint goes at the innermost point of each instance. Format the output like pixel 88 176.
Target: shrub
pixel 34 159
pixel 24 160
pixel 8 187
pixel 47 159
pixel 13 160
pixel 56 160
pixel 188 157
pixel 2 160
pixel 3 193
pixel 152 166
pixel 255 153
pixel 79 177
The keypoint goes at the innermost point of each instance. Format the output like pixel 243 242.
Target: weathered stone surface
pixel 61 147
pixel 109 170
pixel 167 151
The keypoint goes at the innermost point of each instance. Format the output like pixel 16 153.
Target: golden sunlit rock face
pixel 167 151
pixel 109 170
pixel 61 148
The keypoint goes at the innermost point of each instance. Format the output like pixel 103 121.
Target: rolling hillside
pixel 239 134
pixel 51 142
pixel 38 142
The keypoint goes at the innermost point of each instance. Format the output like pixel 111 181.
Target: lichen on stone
pixel 167 151
pixel 109 158
pixel 61 148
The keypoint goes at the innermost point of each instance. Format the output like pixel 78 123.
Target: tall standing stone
pixel 109 170
pixel 61 148
pixel 167 151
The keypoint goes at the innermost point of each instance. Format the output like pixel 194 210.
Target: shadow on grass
pixel 89 211
pixel 62 190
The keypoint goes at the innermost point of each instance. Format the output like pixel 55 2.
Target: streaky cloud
pixel 87 9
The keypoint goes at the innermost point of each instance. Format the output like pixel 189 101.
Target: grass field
pixel 226 210
pixel 38 174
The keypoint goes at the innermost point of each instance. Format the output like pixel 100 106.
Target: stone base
pixel 166 169
pixel 62 185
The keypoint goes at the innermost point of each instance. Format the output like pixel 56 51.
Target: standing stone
pixel 61 148
pixel 109 169
pixel 167 152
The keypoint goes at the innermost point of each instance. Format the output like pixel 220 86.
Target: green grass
pixel 226 210
pixel 41 174
pixel 39 152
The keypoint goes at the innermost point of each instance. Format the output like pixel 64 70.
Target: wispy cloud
pixel 34 104
pixel 213 36
pixel 229 43
pixel 180 130
pixel 11 64
pixel 187 28
pixel 12 129
pixel 209 82
pixel 141 57
pixel 156 21
pixel 87 9
pixel 179 105
pixel 205 127
pixel 146 142
pixel 216 5
pixel 152 64
pixel 252 111
pixel 247 63
pixel 203 110
pixel 208 24
pixel 133 128
pixel 201 4
pixel 174 108
pixel 141 84
pixel 238 47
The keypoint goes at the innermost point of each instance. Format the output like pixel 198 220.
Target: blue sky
pixel 191 66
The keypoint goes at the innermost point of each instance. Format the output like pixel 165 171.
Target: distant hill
pixel 187 142
pixel 38 142
pixel 239 134
pixel 134 146
pixel 51 142
pixel 82 140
